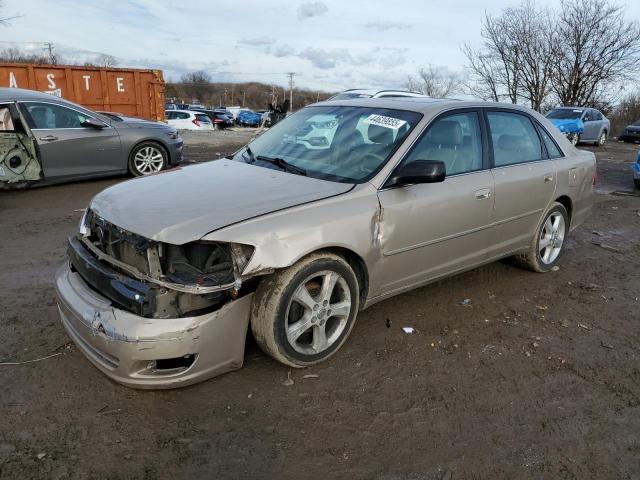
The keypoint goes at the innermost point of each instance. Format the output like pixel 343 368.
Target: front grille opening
pixel 171 365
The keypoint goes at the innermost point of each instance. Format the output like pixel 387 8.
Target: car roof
pixel 373 91
pixel 194 112
pixel 423 105
pixel 20 94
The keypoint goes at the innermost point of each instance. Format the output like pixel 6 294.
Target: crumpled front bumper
pixel 126 347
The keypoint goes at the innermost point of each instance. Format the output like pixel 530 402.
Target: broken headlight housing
pixel 203 263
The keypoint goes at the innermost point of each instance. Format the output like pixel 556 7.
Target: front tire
pixel 575 140
pixel 546 245
pixel 147 158
pixel 303 314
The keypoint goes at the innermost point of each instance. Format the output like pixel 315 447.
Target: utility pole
pixel 291 75
pixel 49 47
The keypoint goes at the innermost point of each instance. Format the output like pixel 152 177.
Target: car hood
pixel 570 125
pixel 632 128
pixel 183 205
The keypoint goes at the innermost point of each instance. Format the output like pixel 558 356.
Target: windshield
pixel 565 114
pixel 343 144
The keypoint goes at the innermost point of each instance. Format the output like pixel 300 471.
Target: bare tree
pixel 600 48
pixel 107 61
pixel 539 56
pixel 197 77
pixel 534 36
pixel 484 74
pixel 515 60
pixel 437 82
pixel 15 55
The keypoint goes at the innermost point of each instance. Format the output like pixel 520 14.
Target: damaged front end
pixel 154 279
pixel 150 314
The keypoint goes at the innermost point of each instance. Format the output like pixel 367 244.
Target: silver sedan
pixel 339 206
pixel 45 139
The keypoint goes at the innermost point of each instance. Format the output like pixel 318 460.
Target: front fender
pixel 282 238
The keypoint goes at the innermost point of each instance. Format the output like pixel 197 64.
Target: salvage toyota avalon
pixel 341 205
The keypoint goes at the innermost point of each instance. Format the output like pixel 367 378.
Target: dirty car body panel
pixel 165 268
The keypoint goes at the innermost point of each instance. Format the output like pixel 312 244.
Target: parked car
pixel 631 133
pixel 265 117
pixel 636 171
pixel 189 120
pixel 46 139
pixel 373 93
pixel 295 242
pixel 220 120
pixel 581 125
pixel 248 118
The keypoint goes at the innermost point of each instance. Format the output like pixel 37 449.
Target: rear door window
pixel 514 139
pixel 51 116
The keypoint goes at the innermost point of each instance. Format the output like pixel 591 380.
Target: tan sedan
pixel 339 206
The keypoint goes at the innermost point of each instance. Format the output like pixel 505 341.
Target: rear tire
pixel 147 158
pixel 547 243
pixel 602 139
pixel 636 182
pixel 303 314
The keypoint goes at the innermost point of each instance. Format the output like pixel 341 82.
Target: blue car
pixel 249 118
pixel 581 124
pixel 636 171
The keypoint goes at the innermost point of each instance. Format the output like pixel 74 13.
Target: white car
pixel 188 120
pixel 373 93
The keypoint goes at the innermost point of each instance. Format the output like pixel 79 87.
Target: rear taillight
pixel 594 180
pixel 196 122
pixel 217 120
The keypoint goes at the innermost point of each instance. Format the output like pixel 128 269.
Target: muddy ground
pixel 538 376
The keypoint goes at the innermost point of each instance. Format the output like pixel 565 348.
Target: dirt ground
pixel 534 376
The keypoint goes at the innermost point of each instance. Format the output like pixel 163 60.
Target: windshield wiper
pixel 252 157
pixel 283 164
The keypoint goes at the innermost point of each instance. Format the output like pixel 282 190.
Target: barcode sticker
pixel 384 121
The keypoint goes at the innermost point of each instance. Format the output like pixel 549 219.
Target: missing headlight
pixel 199 263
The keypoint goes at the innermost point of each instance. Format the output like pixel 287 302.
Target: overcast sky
pixel 332 45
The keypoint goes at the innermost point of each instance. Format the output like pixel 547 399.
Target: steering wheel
pixel 368 158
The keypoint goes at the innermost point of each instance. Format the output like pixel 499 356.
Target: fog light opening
pixel 164 365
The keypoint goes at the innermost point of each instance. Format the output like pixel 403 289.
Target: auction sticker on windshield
pixel 384 121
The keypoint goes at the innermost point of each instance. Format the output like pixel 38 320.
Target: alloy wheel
pixel 318 312
pixel 148 160
pixel 551 238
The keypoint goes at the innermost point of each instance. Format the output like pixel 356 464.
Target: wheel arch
pixel 566 202
pixel 355 261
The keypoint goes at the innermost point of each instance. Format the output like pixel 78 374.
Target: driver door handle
pixel 49 138
pixel 483 194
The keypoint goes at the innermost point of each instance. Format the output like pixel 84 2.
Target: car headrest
pixel 512 143
pixel 378 134
pixel 446 132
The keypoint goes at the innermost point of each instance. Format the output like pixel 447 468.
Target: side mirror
pixel 93 123
pixel 418 171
